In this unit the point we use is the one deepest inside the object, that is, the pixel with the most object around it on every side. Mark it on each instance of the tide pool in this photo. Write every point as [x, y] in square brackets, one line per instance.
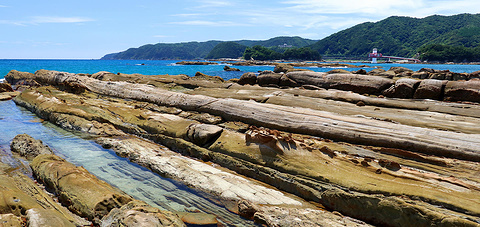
[133, 179]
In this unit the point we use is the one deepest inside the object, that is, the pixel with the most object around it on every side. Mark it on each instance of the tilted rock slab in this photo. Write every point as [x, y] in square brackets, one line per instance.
[84, 193]
[298, 120]
[78, 189]
[350, 82]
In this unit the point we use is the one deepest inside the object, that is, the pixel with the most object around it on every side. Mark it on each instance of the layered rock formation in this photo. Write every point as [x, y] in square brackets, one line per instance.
[387, 162]
[83, 193]
[398, 82]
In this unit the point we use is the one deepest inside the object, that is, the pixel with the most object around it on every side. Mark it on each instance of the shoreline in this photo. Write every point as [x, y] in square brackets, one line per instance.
[289, 130]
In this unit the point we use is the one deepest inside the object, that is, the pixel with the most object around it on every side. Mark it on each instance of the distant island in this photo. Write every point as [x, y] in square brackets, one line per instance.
[434, 39]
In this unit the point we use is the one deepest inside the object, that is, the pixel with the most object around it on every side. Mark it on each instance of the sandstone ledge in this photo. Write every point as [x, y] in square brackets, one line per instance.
[299, 164]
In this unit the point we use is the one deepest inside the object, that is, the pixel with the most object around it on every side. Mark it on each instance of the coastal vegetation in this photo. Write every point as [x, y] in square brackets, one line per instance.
[263, 53]
[448, 53]
[209, 49]
[227, 50]
[402, 36]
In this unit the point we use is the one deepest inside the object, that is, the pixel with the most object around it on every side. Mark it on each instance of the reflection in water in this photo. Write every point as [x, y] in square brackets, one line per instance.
[133, 179]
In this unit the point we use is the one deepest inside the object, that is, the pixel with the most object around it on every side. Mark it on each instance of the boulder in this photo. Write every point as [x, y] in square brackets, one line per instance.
[437, 76]
[202, 134]
[15, 77]
[202, 76]
[10, 220]
[420, 75]
[41, 217]
[349, 82]
[248, 78]
[5, 87]
[339, 71]
[375, 72]
[463, 91]
[427, 70]
[430, 89]
[287, 82]
[459, 76]
[388, 74]
[28, 147]
[228, 68]
[475, 74]
[403, 88]
[138, 213]
[79, 190]
[269, 80]
[283, 68]
[399, 70]
[103, 75]
[361, 71]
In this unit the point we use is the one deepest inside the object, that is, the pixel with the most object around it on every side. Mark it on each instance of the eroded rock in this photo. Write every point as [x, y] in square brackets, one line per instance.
[77, 189]
[403, 88]
[430, 89]
[29, 147]
[463, 91]
[138, 213]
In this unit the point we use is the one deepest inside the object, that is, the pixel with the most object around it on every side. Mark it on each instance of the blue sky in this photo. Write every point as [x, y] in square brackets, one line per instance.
[89, 29]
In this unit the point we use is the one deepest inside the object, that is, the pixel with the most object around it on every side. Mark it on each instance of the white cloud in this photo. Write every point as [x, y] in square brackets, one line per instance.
[208, 23]
[41, 20]
[214, 3]
[2, 6]
[187, 15]
[161, 36]
[44, 20]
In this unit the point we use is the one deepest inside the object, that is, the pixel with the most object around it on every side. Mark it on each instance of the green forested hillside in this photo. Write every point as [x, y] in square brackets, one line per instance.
[402, 36]
[227, 50]
[163, 51]
[294, 41]
[200, 50]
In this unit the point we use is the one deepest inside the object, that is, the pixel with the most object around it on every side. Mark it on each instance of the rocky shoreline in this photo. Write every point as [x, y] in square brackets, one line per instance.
[392, 148]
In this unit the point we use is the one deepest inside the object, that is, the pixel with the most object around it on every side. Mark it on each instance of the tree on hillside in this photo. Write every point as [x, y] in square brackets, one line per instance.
[227, 50]
[304, 53]
[447, 53]
[261, 53]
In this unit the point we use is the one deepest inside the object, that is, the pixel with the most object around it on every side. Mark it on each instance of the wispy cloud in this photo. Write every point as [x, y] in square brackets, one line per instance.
[161, 36]
[41, 20]
[187, 15]
[208, 23]
[46, 20]
[214, 3]
[2, 6]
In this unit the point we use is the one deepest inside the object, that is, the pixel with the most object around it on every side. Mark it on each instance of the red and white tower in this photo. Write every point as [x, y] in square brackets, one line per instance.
[374, 55]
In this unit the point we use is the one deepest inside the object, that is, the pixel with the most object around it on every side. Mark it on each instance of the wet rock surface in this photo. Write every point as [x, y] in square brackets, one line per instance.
[82, 193]
[415, 162]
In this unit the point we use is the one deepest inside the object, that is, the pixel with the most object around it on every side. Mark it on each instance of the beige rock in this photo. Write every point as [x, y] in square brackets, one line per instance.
[29, 147]
[463, 91]
[10, 220]
[40, 217]
[77, 189]
[138, 213]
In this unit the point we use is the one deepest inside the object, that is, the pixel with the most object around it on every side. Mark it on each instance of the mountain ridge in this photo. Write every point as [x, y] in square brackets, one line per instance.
[402, 36]
[197, 50]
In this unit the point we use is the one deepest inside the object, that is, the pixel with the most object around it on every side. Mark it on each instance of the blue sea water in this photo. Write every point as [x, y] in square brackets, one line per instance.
[161, 67]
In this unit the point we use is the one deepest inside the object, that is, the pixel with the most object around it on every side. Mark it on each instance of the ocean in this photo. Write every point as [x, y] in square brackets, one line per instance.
[161, 67]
